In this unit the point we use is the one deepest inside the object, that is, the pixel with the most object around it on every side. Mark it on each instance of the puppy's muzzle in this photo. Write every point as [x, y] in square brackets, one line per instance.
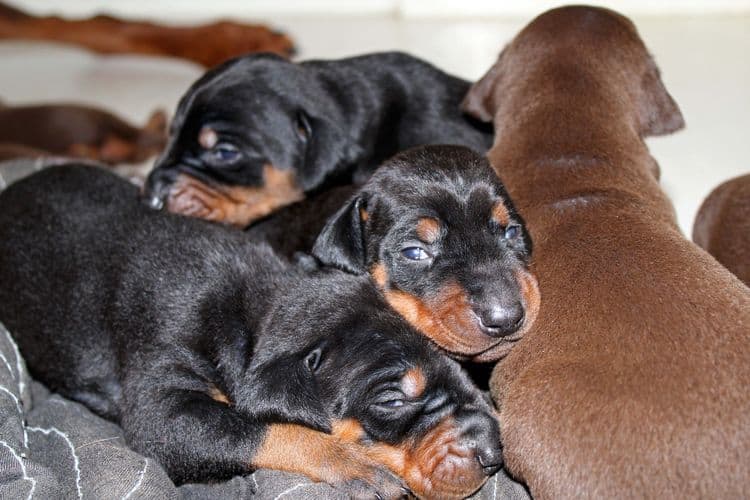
[498, 318]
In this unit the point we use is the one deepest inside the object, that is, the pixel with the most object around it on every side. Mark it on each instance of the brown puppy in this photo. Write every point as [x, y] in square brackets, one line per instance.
[78, 131]
[633, 381]
[722, 226]
[207, 45]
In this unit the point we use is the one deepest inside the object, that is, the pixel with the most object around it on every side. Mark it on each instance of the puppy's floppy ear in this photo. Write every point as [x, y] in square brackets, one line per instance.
[329, 151]
[283, 390]
[479, 102]
[658, 112]
[341, 243]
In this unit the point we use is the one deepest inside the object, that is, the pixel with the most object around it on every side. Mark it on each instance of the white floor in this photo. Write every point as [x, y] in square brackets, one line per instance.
[705, 63]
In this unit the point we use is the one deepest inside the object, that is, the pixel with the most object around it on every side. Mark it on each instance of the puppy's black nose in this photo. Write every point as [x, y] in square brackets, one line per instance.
[490, 458]
[154, 201]
[481, 433]
[156, 188]
[499, 320]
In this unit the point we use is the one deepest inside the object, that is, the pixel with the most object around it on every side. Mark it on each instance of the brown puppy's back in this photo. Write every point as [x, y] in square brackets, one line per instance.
[633, 382]
[722, 226]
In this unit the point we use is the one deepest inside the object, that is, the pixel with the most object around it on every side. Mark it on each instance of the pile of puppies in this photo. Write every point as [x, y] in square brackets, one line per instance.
[323, 339]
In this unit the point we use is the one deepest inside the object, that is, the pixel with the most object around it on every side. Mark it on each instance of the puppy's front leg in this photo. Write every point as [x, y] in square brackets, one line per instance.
[197, 437]
[326, 457]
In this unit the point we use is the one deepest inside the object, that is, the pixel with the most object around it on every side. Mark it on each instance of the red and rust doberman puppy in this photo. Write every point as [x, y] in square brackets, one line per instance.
[633, 382]
[78, 131]
[207, 45]
[722, 226]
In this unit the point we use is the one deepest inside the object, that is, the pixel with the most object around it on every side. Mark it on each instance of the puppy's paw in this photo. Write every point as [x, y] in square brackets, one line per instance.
[361, 477]
[382, 486]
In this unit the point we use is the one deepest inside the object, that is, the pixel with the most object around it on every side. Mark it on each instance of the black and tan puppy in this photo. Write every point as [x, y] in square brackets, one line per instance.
[216, 357]
[438, 234]
[260, 132]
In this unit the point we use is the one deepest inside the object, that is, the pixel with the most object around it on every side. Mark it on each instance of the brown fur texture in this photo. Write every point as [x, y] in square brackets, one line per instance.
[78, 131]
[207, 45]
[633, 381]
[722, 226]
[334, 458]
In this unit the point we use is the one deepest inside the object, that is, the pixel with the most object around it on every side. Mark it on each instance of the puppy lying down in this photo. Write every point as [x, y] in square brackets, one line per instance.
[438, 234]
[217, 358]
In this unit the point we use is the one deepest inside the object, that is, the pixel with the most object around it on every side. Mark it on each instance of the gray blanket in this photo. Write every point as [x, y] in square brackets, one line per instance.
[51, 447]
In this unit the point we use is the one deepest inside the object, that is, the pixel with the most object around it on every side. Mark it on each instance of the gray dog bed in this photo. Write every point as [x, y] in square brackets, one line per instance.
[51, 447]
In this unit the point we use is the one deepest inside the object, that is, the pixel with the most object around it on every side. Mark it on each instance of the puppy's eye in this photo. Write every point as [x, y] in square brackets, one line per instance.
[303, 127]
[225, 152]
[312, 360]
[512, 232]
[415, 253]
[393, 403]
[390, 400]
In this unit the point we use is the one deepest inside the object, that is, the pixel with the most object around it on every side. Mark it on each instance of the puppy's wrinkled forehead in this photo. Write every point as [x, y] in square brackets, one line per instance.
[238, 83]
[434, 205]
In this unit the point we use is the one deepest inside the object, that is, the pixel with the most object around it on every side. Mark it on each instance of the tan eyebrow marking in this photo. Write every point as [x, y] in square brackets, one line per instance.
[428, 229]
[500, 213]
[207, 137]
[413, 382]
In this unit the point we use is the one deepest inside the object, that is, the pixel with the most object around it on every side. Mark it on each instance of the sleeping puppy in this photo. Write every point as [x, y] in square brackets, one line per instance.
[79, 131]
[216, 357]
[722, 226]
[260, 132]
[437, 232]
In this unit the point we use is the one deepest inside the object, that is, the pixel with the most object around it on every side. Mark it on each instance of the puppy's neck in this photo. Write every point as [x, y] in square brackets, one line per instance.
[571, 141]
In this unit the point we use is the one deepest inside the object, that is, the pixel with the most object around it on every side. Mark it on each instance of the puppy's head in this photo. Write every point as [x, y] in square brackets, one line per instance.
[439, 236]
[250, 136]
[596, 41]
[333, 356]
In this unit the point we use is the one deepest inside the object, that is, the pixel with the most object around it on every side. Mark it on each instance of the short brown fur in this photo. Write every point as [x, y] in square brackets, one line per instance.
[207, 45]
[319, 456]
[500, 214]
[428, 229]
[219, 396]
[633, 380]
[722, 226]
[413, 383]
[87, 132]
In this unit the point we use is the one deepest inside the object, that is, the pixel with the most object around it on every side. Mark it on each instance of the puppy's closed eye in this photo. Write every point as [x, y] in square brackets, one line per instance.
[312, 360]
[303, 126]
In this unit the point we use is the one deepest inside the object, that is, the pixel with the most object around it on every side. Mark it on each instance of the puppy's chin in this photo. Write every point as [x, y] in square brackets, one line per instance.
[531, 301]
[496, 352]
[442, 464]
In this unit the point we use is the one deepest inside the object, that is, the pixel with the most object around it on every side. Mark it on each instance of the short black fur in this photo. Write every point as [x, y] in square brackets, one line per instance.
[331, 122]
[140, 315]
[450, 184]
